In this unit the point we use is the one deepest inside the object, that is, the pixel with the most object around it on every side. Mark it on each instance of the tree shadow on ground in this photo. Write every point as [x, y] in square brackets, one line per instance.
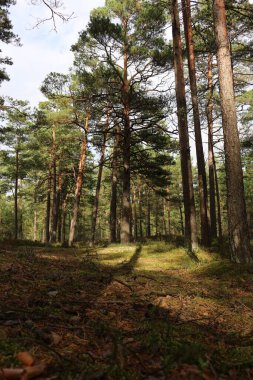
[114, 324]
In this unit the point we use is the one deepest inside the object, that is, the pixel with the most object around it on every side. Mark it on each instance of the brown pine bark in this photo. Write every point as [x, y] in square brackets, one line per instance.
[58, 206]
[237, 218]
[113, 203]
[148, 228]
[16, 196]
[54, 206]
[62, 236]
[35, 220]
[217, 190]
[169, 218]
[100, 172]
[181, 218]
[135, 218]
[79, 182]
[48, 206]
[140, 208]
[213, 219]
[125, 234]
[186, 168]
[202, 182]
[35, 225]
[164, 217]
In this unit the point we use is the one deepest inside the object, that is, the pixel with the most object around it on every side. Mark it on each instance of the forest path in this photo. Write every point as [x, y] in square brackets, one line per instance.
[126, 312]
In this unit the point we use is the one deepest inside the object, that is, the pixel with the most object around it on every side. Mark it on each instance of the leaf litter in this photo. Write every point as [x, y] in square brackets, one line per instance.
[66, 315]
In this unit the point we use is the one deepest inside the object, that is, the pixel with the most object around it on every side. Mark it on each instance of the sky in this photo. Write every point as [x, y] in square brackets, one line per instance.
[43, 50]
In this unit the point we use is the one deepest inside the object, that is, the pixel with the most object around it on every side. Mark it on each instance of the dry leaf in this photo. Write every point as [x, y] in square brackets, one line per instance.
[32, 372]
[55, 338]
[11, 373]
[25, 358]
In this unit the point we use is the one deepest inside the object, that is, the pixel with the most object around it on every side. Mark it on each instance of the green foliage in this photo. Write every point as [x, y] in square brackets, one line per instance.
[6, 34]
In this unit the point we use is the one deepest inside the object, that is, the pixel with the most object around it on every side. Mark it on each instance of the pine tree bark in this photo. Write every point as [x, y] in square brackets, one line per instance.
[148, 228]
[16, 196]
[217, 190]
[113, 203]
[54, 206]
[213, 219]
[135, 218]
[100, 172]
[186, 168]
[164, 218]
[58, 207]
[237, 218]
[202, 182]
[62, 236]
[48, 206]
[35, 220]
[125, 235]
[79, 182]
[140, 208]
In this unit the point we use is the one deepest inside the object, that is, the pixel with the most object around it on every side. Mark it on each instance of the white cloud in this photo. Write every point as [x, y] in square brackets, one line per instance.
[43, 50]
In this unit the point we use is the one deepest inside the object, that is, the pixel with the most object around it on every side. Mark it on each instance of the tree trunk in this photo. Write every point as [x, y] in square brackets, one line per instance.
[79, 182]
[213, 221]
[20, 211]
[48, 207]
[100, 172]
[58, 207]
[113, 203]
[140, 208]
[135, 219]
[181, 218]
[237, 218]
[62, 237]
[186, 168]
[54, 207]
[126, 206]
[169, 218]
[148, 229]
[205, 233]
[16, 195]
[164, 218]
[35, 220]
[218, 201]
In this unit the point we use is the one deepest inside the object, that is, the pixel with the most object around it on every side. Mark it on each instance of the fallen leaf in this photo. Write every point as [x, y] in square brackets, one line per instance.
[25, 358]
[55, 338]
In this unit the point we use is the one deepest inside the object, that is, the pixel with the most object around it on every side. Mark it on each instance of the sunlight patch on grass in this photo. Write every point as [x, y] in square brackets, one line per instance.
[155, 256]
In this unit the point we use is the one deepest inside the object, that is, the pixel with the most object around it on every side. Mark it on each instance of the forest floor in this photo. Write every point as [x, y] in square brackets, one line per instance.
[125, 312]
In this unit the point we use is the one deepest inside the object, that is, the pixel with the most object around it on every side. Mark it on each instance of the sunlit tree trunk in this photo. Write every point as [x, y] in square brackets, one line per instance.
[186, 168]
[100, 172]
[79, 182]
[237, 218]
[202, 182]
[213, 220]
